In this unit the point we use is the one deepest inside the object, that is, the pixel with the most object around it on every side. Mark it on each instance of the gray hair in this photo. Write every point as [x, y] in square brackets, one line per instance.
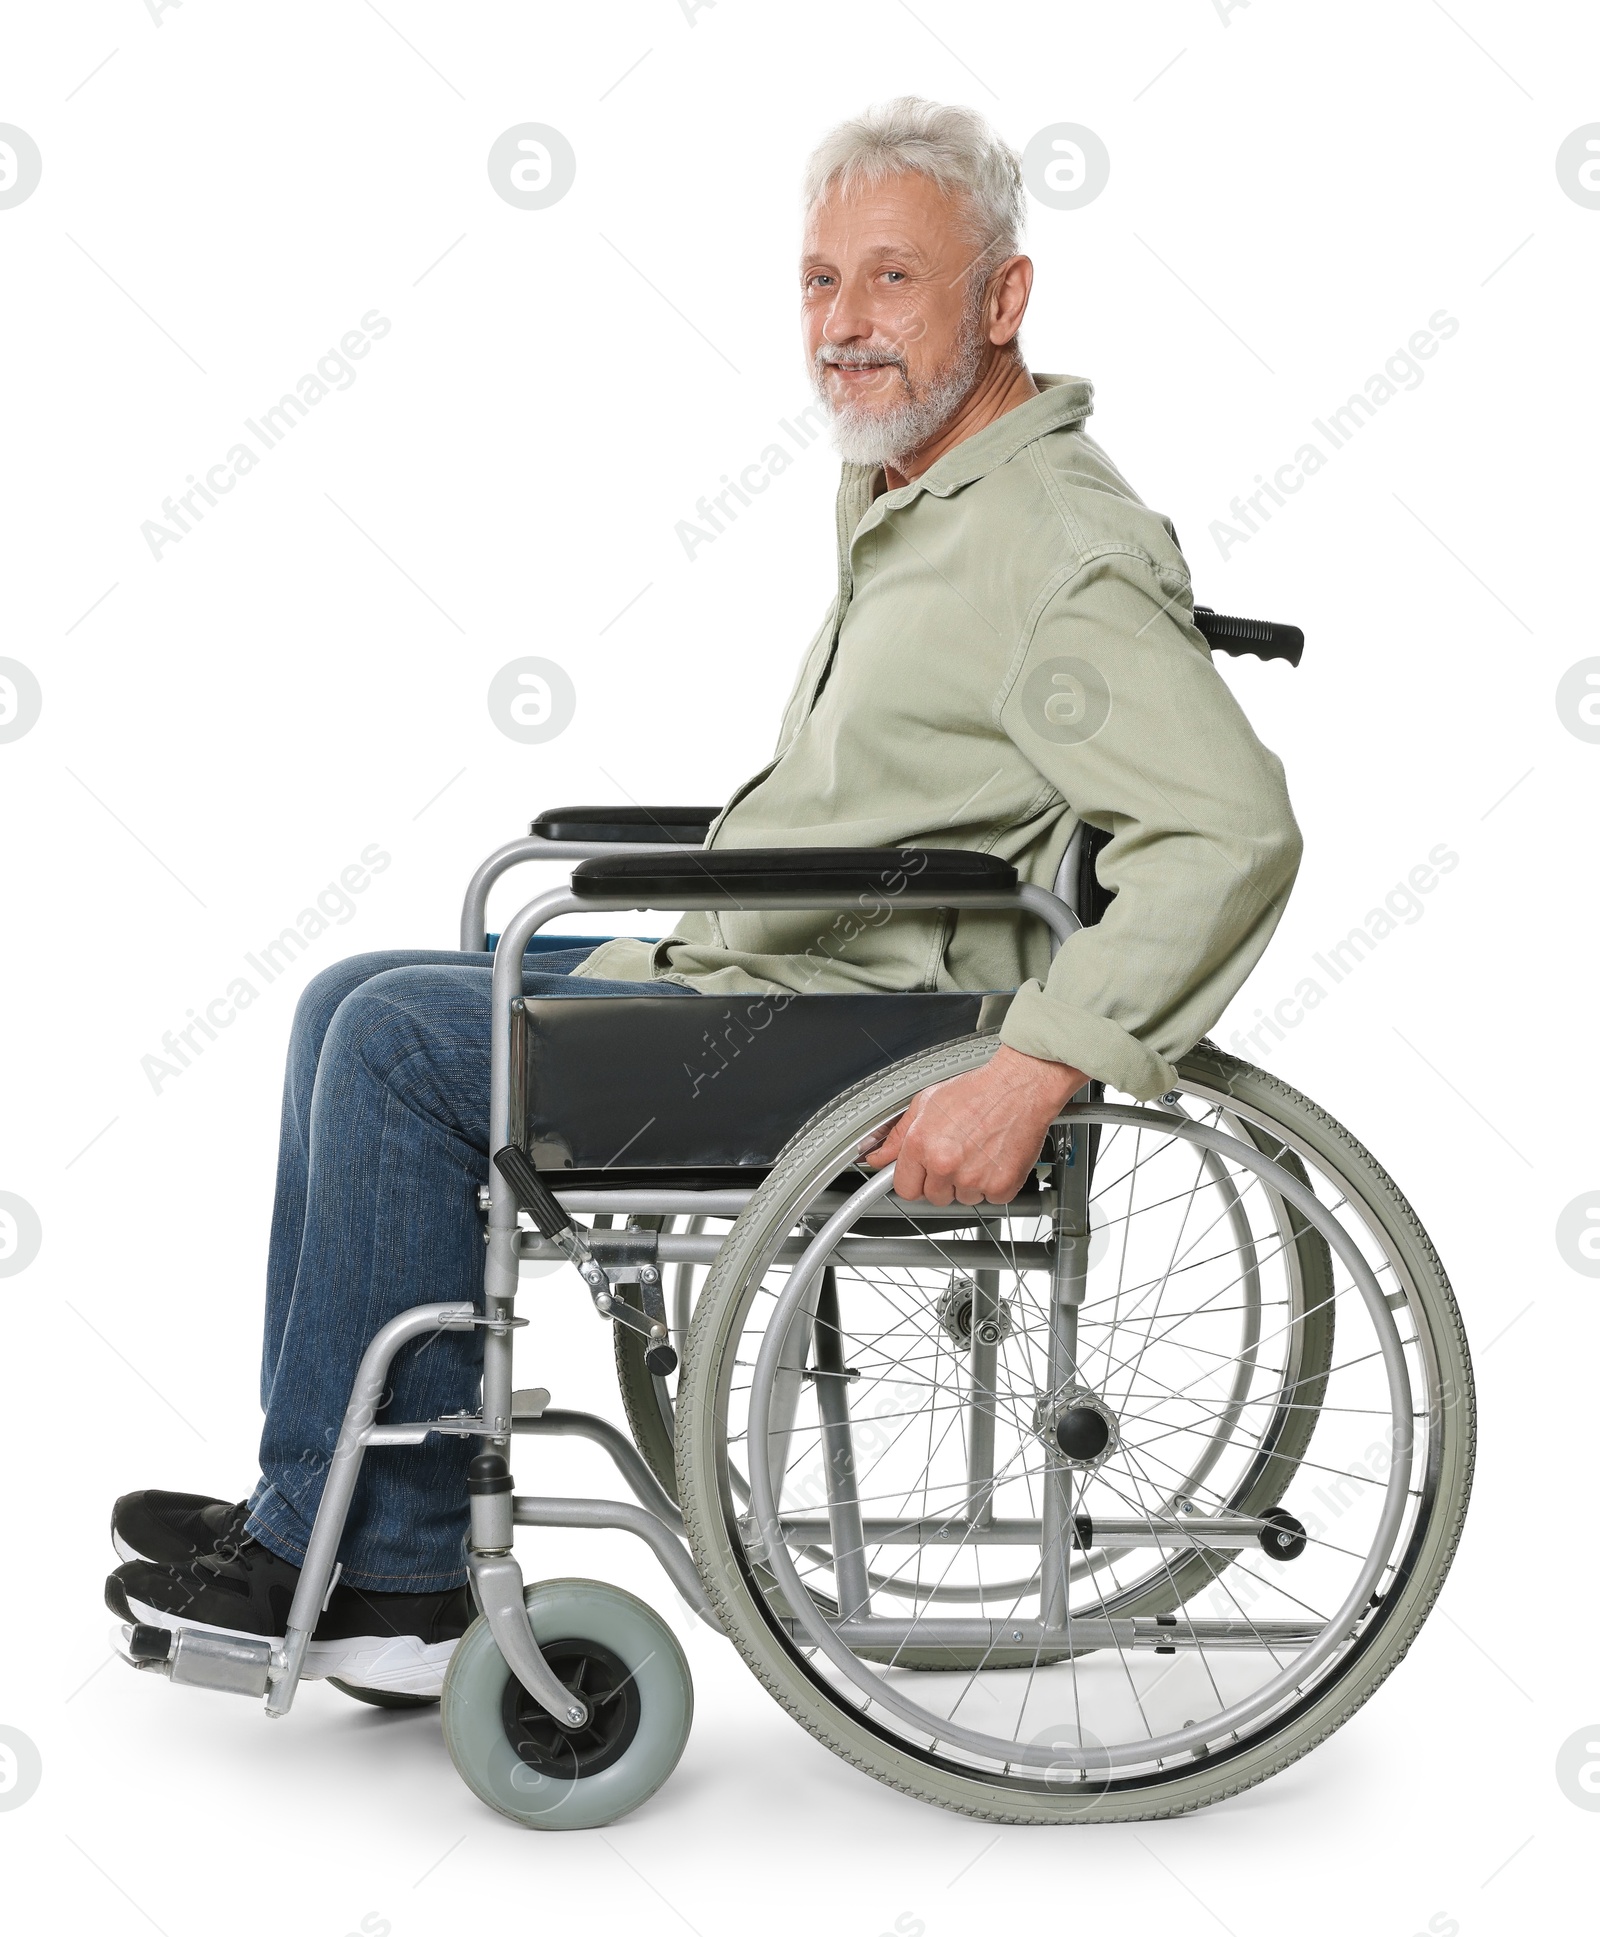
[954, 147]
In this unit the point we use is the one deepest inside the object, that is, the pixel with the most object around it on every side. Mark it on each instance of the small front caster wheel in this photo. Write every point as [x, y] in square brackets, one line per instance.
[625, 1663]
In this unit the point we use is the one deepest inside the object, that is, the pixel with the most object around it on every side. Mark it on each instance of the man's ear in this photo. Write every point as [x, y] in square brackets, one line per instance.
[1007, 300]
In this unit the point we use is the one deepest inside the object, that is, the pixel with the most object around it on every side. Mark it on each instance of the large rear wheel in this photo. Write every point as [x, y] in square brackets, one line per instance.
[1153, 1478]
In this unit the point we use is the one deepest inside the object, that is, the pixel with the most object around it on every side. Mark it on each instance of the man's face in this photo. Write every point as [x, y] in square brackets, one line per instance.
[892, 313]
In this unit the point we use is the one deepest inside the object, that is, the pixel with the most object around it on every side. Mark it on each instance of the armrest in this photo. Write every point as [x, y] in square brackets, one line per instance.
[793, 871]
[657, 825]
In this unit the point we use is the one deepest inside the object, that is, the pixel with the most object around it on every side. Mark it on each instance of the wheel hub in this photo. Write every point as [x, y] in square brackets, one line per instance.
[555, 1747]
[954, 1313]
[1078, 1428]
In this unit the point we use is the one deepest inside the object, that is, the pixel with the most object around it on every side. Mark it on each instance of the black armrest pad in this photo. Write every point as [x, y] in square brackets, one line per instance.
[794, 870]
[666, 825]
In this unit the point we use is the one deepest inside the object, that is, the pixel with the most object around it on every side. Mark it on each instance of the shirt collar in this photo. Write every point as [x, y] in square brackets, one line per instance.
[1062, 401]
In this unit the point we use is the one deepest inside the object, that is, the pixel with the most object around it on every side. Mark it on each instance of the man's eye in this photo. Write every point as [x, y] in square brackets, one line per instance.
[895, 275]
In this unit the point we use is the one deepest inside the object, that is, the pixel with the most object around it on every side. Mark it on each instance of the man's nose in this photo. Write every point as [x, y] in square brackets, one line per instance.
[847, 320]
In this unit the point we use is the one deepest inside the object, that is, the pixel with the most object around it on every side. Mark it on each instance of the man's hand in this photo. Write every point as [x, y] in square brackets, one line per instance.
[975, 1138]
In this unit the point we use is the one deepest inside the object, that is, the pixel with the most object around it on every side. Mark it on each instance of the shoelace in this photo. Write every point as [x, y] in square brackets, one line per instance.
[236, 1554]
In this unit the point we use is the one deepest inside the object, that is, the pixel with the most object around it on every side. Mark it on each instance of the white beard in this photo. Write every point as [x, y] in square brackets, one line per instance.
[873, 434]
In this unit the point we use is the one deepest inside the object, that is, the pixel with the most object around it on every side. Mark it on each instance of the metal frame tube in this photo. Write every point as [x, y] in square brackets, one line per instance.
[1227, 1532]
[1094, 1631]
[625, 1456]
[344, 1468]
[673, 1248]
[534, 847]
[786, 1389]
[1056, 913]
[533, 1511]
[838, 1453]
[984, 1359]
[628, 1201]
[657, 1203]
[1068, 1282]
[501, 1263]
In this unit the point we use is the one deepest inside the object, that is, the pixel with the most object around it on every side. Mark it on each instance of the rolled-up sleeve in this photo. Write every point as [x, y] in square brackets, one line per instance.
[1115, 701]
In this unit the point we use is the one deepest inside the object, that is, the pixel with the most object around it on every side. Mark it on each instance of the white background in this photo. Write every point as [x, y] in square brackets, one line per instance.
[1294, 190]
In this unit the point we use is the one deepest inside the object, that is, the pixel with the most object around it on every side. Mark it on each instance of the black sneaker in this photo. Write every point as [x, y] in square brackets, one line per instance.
[394, 1643]
[174, 1528]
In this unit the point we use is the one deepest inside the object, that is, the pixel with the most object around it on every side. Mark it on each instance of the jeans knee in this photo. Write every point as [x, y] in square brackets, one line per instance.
[363, 1027]
[322, 997]
[414, 1028]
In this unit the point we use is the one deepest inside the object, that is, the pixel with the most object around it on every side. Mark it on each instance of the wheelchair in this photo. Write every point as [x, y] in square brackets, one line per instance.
[1100, 1505]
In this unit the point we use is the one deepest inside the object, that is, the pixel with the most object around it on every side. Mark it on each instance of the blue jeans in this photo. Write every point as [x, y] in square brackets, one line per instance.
[384, 1144]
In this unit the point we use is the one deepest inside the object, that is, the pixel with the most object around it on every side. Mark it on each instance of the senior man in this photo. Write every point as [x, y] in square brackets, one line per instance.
[1011, 650]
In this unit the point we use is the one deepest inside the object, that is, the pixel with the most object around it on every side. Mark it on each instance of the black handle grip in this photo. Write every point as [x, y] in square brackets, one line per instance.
[531, 1192]
[1258, 636]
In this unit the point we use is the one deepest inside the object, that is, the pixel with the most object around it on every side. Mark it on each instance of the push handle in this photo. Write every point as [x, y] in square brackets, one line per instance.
[531, 1192]
[1258, 636]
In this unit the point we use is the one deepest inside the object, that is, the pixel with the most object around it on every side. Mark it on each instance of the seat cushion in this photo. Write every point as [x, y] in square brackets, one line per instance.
[625, 1088]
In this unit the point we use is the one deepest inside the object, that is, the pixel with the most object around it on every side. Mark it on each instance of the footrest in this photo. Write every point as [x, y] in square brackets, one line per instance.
[237, 1664]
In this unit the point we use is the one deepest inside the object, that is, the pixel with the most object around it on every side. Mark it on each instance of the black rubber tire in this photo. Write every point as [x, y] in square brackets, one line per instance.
[641, 1407]
[473, 1720]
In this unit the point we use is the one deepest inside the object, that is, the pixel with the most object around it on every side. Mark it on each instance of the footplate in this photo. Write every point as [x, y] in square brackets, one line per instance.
[236, 1664]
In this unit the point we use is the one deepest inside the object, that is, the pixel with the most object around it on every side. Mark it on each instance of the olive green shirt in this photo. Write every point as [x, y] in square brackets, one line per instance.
[1012, 649]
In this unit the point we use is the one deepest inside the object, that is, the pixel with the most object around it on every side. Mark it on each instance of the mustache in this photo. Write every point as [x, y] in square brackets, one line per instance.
[859, 359]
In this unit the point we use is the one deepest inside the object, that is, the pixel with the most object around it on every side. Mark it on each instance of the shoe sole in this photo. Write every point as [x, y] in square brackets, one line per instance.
[396, 1664]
